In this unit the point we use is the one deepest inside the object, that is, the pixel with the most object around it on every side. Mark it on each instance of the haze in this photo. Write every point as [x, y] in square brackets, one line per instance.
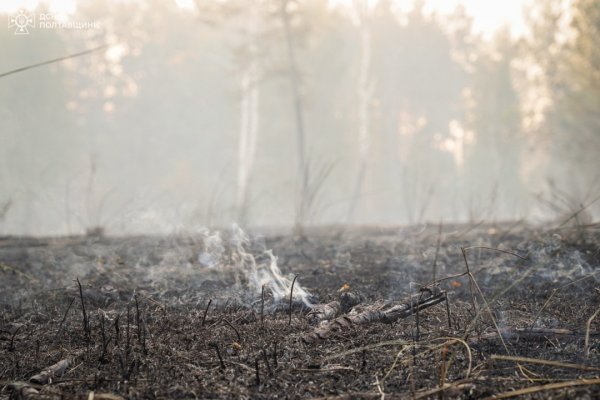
[280, 113]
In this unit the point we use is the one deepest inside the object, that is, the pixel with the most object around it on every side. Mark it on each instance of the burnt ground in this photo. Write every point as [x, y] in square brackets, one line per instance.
[148, 332]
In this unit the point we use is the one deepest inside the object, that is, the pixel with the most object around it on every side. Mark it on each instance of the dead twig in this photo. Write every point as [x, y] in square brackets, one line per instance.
[291, 298]
[264, 353]
[86, 325]
[11, 346]
[470, 275]
[218, 351]
[237, 333]
[437, 251]
[257, 373]
[262, 305]
[206, 312]
[65, 317]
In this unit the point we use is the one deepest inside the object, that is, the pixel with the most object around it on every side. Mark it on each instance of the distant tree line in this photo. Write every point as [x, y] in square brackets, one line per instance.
[299, 112]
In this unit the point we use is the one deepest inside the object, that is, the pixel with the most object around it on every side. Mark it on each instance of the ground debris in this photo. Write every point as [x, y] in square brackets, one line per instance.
[375, 313]
[195, 334]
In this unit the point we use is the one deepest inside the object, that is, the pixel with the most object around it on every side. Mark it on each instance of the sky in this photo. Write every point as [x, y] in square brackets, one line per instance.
[488, 15]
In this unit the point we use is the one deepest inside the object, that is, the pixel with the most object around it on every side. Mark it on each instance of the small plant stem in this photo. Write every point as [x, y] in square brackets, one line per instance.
[206, 312]
[86, 326]
[291, 298]
[262, 305]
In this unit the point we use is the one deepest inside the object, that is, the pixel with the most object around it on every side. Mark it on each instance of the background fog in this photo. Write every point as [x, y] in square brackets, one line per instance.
[296, 112]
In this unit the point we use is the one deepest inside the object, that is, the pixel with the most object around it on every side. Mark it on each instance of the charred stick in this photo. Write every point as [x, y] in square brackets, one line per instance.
[275, 355]
[144, 336]
[448, 310]
[125, 361]
[262, 305]
[218, 351]
[127, 328]
[257, 374]
[363, 365]
[105, 341]
[141, 328]
[291, 298]
[65, 316]
[127, 368]
[417, 332]
[206, 311]
[264, 353]
[138, 319]
[464, 253]
[86, 326]
[117, 329]
[11, 346]
[437, 251]
[237, 333]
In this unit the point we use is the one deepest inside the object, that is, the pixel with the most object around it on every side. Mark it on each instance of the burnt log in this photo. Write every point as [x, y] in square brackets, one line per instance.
[426, 298]
[54, 371]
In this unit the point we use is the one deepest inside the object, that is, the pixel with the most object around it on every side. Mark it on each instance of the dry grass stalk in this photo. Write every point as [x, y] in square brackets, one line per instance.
[543, 388]
[206, 312]
[587, 332]
[453, 388]
[551, 363]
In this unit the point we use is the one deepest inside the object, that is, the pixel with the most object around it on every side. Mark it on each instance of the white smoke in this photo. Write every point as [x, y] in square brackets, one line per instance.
[251, 275]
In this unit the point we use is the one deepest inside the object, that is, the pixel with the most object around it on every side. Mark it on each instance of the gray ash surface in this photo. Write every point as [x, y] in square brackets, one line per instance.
[149, 334]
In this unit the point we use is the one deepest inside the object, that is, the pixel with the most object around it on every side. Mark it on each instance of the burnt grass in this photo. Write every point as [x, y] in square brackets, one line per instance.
[150, 332]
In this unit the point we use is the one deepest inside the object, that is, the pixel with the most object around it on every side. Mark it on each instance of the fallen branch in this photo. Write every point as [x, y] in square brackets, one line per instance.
[53, 371]
[324, 312]
[427, 298]
[332, 310]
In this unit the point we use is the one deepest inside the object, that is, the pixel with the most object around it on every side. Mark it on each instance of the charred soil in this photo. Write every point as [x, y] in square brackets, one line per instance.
[157, 317]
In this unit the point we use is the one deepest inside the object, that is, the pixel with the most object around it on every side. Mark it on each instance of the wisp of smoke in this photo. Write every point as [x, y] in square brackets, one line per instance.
[251, 275]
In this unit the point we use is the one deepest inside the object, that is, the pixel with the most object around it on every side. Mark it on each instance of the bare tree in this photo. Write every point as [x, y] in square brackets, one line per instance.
[249, 110]
[301, 208]
[365, 91]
